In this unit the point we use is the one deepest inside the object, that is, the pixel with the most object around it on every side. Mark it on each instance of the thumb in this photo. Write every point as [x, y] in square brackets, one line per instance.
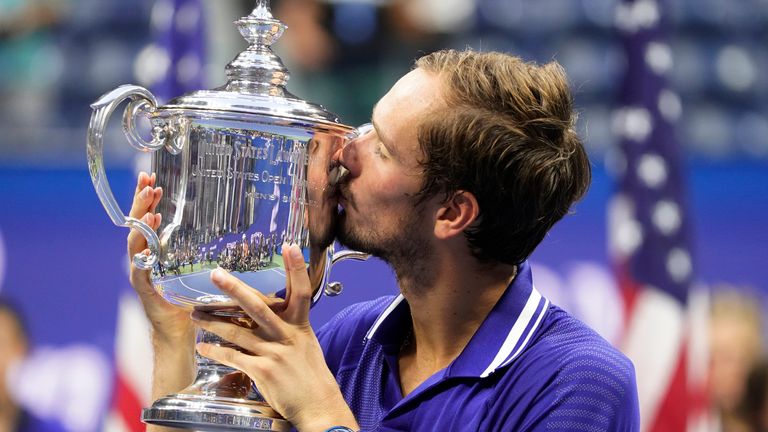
[300, 292]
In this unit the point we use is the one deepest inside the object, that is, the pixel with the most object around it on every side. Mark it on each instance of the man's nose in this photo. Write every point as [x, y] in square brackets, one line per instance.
[346, 156]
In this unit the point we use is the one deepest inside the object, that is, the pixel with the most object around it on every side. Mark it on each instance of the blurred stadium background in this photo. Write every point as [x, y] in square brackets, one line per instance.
[63, 262]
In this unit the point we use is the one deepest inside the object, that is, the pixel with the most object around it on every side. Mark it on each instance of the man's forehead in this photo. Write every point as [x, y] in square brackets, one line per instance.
[415, 94]
[418, 86]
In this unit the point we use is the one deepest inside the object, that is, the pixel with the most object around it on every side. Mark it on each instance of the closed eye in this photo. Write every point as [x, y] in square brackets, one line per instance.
[381, 151]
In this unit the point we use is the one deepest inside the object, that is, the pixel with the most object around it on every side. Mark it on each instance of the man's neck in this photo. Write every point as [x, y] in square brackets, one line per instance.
[446, 314]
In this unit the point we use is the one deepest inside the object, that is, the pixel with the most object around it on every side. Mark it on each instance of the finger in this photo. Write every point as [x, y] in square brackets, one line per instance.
[136, 241]
[226, 356]
[141, 182]
[158, 193]
[300, 299]
[158, 221]
[152, 179]
[236, 334]
[270, 324]
[141, 201]
[140, 279]
[149, 219]
[153, 220]
[139, 207]
[288, 288]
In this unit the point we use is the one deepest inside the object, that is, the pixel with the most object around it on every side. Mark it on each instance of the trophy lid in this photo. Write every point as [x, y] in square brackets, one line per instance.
[257, 78]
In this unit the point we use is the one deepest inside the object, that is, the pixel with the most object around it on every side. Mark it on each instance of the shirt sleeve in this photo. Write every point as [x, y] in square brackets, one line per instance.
[589, 402]
[588, 390]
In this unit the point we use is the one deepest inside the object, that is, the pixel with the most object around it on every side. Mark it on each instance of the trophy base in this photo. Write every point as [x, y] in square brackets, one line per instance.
[213, 414]
[220, 399]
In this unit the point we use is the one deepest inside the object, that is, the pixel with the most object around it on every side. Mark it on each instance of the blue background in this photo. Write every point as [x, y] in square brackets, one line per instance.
[66, 266]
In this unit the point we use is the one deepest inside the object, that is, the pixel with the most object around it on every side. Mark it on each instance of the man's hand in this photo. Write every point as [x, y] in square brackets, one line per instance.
[284, 357]
[173, 334]
[168, 322]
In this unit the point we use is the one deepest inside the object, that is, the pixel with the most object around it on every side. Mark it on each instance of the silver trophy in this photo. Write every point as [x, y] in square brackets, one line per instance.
[244, 168]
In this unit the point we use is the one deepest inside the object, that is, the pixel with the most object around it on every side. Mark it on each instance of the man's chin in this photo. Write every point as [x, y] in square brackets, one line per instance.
[359, 240]
[343, 236]
[350, 240]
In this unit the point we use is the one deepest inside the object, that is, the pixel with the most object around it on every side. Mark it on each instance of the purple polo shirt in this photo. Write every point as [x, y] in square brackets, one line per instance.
[529, 367]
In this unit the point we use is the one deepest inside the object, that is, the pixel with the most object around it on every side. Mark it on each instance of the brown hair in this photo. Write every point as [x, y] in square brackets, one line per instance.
[507, 136]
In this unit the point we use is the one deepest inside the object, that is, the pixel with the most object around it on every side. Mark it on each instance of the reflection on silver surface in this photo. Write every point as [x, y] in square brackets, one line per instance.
[220, 399]
[235, 196]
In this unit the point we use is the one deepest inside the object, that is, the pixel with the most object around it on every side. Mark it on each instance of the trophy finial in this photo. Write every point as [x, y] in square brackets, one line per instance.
[258, 70]
[260, 27]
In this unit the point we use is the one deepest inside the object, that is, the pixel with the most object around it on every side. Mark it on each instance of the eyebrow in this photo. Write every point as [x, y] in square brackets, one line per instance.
[384, 140]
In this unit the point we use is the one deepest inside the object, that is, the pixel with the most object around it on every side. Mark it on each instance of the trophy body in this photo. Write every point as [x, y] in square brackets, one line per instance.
[240, 186]
[244, 168]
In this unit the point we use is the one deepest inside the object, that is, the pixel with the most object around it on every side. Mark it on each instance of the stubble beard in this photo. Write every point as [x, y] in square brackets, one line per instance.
[406, 249]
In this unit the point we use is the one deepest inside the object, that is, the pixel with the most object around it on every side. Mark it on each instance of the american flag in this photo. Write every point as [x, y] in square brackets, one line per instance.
[172, 66]
[650, 230]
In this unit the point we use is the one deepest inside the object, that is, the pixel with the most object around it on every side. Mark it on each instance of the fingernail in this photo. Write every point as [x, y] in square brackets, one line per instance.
[217, 275]
[145, 192]
[295, 253]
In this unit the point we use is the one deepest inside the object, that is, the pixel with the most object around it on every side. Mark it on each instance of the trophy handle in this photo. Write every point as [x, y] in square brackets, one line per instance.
[142, 102]
[332, 289]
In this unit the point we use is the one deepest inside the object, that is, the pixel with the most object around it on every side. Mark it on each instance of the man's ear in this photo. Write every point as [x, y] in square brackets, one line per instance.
[456, 214]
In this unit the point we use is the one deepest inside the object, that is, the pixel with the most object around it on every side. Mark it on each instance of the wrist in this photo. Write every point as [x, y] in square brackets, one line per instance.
[174, 365]
[169, 324]
[344, 423]
[170, 339]
[330, 426]
[330, 418]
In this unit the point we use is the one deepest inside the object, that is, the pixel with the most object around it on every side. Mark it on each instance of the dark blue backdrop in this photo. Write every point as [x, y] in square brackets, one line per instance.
[65, 261]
